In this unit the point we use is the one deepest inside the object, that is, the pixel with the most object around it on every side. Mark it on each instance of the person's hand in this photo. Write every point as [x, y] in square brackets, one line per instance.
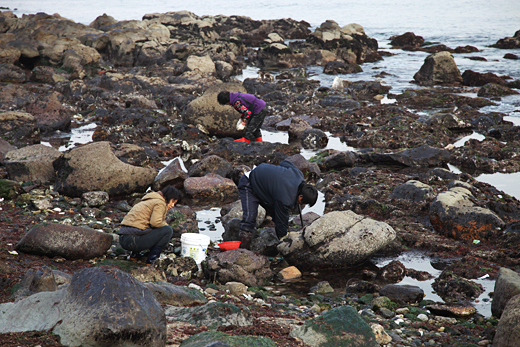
[241, 125]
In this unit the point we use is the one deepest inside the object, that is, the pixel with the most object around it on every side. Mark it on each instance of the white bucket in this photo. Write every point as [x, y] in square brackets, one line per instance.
[195, 246]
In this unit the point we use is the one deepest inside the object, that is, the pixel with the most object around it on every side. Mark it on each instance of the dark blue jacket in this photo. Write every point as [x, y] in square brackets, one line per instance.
[277, 189]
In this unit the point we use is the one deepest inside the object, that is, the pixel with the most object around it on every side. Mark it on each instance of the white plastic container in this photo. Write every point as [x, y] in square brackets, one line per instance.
[195, 246]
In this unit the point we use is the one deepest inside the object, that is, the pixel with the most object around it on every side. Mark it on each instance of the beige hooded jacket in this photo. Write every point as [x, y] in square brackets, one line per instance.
[149, 213]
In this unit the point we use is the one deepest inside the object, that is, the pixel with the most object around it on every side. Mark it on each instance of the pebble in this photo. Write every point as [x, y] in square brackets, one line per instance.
[422, 317]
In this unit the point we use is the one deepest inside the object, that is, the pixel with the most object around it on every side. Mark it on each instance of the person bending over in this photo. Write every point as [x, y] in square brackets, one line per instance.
[278, 188]
[145, 227]
[252, 113]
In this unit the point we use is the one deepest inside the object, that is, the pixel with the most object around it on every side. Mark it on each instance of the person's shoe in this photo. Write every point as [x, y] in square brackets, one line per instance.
[245, 239]
[259, 139]
[134, 256]
[242, 139]
[155, 252]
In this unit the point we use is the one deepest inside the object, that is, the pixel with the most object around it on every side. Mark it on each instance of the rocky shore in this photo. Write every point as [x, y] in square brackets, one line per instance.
[150, 88]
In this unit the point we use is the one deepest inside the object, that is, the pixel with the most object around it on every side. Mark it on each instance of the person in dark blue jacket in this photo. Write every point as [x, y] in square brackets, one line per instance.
[277, 188]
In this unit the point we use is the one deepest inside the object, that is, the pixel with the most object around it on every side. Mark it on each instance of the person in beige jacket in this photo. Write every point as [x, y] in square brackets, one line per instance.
[145, 227]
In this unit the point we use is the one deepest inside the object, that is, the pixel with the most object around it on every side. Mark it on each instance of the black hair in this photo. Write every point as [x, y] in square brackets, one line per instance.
[309, 193]
[223, 97]
[171, 193]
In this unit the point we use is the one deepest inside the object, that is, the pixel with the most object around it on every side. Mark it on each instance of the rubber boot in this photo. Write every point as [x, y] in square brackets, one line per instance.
[259, 139]
[242, 139]
[245, 239]
[155, 252]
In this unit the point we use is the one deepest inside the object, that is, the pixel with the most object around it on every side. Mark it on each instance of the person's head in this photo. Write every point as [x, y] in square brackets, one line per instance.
[223, 97]
[307, 194]
[172, 195]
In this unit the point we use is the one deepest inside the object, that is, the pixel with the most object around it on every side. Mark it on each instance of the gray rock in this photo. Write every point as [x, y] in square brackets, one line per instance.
[94, 167]
[239, 265]
[212, 315]
[413, 190]
[32, 164]
[341, 326]
[439, 68]
[210, 189]
[210, 164]
[340, 238]
[205, 111]
[314, 138]
[171, 175]
[170, 294]
[507, 285]
[95, 299]
[455, 214]
[402, 294]
[35, 281]
[507, 333]
[70, 242]
[95, 199]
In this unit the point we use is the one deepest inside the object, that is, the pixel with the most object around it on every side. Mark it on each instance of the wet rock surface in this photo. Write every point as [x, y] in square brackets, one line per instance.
[152, 102]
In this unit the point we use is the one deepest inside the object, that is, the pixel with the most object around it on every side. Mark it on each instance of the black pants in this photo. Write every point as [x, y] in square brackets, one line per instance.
[249, 204]
[254, 125]
[156, 237]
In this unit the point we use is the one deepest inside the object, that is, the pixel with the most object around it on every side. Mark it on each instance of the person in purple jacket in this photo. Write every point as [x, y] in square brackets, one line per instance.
[252, 113]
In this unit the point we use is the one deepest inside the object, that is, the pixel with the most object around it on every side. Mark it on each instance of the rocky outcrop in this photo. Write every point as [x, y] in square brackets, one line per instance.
[32, 164]
[69, 242]
[207, 113]
[438, 68]
[239, 265]
[19, 127]
[413, 190]
[95, 299]
[455, 214]
[337, 239]
[212, 315]
[509, 42]
[210, 164]
[95, 167]
[507, 286]
[341, 326]
[210, 189]
[507, 333]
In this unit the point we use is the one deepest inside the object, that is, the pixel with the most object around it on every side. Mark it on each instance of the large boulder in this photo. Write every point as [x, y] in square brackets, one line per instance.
[210, 164]
[171, 175]
[205, 111]
[32, 164]
[509, 42]
[422, 156]
[508, 328]
[100, 307]
[5, 147]
[238, 265]
[95, 167]
[18, 127]
[67, 241]
[210, 189]
[212, 315]
[337, 239]
[341, 326]
[507, 286]
[412, 190]
[439, 68]
[455, 214]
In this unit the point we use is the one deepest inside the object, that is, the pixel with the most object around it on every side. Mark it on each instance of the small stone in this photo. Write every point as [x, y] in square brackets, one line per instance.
[422, 317]
[484, 343]
[289, 273]
[236, 288]
[381, 336]
[403, 310]
[386, 313]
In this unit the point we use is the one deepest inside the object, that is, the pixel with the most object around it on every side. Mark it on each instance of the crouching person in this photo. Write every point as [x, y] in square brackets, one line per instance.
[145, 227]
[278, 189]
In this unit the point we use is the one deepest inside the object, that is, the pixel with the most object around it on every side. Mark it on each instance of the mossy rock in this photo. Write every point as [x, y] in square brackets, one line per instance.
[341, 326]
[9, 189]
[208, 337]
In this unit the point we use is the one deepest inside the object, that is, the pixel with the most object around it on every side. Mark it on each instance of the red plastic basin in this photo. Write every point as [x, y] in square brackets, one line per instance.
[229, 245]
